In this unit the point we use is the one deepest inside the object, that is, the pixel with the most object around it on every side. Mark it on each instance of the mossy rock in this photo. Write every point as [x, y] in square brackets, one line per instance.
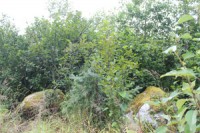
[39, 101]
[150, 93]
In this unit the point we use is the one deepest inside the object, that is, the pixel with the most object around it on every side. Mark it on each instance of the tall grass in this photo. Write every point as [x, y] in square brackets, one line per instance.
[51, 124]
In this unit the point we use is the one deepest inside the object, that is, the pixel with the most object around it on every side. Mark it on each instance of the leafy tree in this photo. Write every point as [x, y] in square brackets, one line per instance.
[148, 18]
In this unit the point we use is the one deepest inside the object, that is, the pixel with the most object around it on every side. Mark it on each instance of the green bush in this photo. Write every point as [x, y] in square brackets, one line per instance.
[86, 95]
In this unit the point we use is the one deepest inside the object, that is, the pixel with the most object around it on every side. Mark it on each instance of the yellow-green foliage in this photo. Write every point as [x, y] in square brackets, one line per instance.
[147, 95]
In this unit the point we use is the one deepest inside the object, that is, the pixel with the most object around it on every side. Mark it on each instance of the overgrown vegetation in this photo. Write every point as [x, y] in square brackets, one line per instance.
[102, 63]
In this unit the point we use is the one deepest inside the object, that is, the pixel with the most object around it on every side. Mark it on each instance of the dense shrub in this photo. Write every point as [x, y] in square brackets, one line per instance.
[103, 62]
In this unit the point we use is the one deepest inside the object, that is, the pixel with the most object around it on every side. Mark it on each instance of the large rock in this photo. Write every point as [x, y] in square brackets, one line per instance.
[140, 110]
[148, 115]
[40, 101]
[150, 93]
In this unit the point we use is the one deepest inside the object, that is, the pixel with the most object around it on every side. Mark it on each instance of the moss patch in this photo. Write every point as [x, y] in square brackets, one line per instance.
[150, 93]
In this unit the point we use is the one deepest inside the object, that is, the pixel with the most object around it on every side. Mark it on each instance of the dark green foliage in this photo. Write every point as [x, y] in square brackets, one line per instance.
[37, 60]
[110, 57]
[86, 95]
[148, 18]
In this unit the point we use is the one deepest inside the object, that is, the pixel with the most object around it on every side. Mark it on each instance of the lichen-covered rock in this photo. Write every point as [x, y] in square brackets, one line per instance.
[150, 93]
[39, 101]
[148, 115]
[140, 110]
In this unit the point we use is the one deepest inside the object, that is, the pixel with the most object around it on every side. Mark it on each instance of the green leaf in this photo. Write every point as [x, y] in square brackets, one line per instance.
[125, 47]
[197, 90]
[162, 129]
[197, 34]
[198, 127]
[172, 95]
[181, 125]
[196, 39]
[191, 118]
[181, 112]
[110, 113]
[185, 18]
[167, 117]
[186, 36]
[187, 89]
[180, 103]
[180, 73]
[187, 129]
[198, 52]
[114, 124]
[105, 109]
[170, 49]
[188, 55]
[193, 84]
[123, 107]
[124, 95]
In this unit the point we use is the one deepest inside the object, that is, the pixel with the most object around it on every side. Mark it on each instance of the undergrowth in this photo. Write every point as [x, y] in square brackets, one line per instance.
[52, 124]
